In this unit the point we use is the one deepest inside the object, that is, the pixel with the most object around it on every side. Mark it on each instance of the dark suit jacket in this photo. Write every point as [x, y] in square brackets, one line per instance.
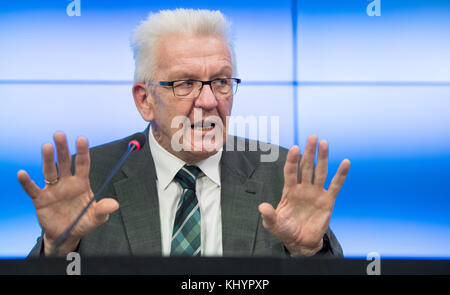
[135, 228]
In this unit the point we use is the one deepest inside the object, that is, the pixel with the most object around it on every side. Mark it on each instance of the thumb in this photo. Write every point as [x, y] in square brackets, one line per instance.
[103, 208]
[269, 216]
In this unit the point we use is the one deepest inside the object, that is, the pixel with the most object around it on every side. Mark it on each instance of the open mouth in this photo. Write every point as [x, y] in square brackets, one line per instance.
[203, 126]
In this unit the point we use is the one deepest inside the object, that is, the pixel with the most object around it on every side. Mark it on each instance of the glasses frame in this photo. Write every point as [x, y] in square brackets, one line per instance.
[171, 83]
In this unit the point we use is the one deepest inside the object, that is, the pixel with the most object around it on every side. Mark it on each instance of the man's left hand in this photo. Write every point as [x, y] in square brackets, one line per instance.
[303, 215]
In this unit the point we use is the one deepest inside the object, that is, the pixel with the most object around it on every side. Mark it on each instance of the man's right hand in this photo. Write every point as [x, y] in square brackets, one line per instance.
[58, 204]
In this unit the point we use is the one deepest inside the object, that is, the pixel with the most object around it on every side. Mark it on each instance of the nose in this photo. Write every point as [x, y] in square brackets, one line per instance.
[206, 100]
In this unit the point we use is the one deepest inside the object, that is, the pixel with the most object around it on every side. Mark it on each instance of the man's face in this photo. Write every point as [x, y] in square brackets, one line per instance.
[184, 57]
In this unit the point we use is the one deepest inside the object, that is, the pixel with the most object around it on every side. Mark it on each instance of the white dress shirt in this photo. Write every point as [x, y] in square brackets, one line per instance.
[169, 194]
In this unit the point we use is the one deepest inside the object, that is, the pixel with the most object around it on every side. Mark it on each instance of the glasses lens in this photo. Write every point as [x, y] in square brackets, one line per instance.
[185, 89]
[224, 87]
[188, 89]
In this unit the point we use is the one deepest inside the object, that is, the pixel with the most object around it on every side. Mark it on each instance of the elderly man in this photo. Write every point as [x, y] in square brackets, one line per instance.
[180, 197]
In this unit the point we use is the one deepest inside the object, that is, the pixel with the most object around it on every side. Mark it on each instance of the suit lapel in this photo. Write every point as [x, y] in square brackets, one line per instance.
[138, 199]
[239, 204]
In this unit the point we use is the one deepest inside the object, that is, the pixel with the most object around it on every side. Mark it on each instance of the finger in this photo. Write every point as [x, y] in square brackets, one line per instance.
[339, 178]
[322, 164]
[103, 208]
[82, 160]
[48, 162]
[269, 216]
[290, 167]
[28, 185]
[307, 162]
[62, 153]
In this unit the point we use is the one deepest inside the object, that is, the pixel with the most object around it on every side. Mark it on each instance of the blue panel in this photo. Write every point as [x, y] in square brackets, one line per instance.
[391, 121]
[392, 238]
[18, 235]
[33, 113]
[96, 45]
[398, 141]
[338, 41]
[267, 101]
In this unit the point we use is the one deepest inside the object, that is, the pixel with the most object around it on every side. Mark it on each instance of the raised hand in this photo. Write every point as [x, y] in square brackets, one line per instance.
[303, 214]
[65, 195]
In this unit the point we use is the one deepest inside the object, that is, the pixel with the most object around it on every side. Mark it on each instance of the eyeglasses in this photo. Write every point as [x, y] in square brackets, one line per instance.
[222, 88]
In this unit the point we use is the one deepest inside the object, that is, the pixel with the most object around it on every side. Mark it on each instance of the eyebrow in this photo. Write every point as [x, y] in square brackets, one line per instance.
[188, 75]
[182, 75]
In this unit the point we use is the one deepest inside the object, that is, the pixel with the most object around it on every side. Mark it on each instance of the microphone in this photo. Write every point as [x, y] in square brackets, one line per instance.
[135, 144]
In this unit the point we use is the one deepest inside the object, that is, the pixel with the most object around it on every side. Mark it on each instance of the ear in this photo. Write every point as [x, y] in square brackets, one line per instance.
[144, 101]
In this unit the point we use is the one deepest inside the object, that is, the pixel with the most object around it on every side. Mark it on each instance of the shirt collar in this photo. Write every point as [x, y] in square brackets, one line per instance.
[167, 165]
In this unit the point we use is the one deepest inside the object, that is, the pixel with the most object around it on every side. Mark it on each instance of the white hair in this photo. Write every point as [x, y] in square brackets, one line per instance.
[199, 22]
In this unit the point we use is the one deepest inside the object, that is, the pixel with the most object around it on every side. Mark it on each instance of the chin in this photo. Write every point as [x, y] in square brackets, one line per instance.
[196, 156]
[202, 149]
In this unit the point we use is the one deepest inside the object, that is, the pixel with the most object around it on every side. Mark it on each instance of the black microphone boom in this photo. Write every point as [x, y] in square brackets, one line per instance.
[136, 143]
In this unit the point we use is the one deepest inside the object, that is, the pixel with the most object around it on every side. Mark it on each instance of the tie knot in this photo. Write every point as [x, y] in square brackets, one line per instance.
[187, 176]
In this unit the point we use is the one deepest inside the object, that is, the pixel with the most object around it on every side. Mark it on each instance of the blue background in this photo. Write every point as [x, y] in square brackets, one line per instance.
[377, 88]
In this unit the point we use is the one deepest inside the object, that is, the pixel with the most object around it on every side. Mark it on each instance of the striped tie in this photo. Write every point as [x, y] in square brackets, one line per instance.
[186, 237]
